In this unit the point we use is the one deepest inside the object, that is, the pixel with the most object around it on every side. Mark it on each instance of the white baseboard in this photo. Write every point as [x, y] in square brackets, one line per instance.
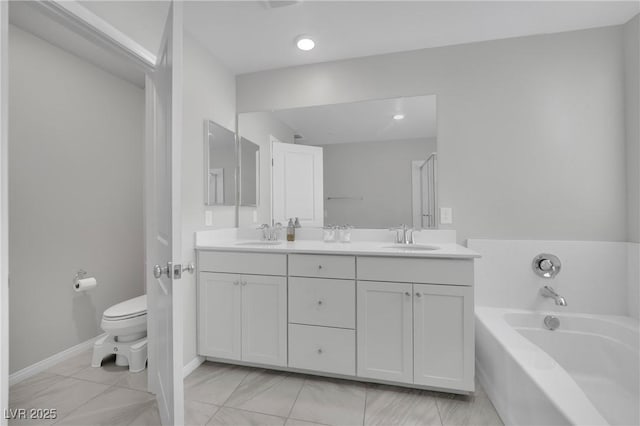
[192, 365]
[47, 363]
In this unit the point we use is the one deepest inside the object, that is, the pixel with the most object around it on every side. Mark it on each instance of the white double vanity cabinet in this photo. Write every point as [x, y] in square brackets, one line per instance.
[359, 310]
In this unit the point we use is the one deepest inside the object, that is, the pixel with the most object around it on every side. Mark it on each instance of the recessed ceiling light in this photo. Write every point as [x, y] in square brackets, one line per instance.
[398, 117]
[305, 43]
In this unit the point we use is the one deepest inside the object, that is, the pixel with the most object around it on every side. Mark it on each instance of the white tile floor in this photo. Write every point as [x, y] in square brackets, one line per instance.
[232, 395]
[219, 394]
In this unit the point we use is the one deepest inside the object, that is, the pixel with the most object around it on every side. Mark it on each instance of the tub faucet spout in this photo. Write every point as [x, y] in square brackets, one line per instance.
[547, 291]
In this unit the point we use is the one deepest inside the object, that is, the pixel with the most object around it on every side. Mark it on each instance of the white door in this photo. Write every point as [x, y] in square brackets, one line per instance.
[385, 331]
[4, 223]
[264, 319]
[163, 227]
[443, 349]
[296, 184]
[219, 315]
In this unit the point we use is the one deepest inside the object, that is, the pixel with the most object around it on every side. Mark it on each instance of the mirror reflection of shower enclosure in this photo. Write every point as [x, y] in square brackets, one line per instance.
[428, 193]
[424, 192]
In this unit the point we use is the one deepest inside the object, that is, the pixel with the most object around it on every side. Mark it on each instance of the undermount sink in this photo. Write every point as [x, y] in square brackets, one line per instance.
[417, 247]
[259, 243]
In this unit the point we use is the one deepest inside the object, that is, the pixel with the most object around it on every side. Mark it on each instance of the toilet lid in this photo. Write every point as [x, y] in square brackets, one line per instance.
[129, 308]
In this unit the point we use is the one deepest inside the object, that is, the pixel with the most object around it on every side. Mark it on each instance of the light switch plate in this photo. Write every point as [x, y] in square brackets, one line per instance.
[208, 217]
[255, 216]
[446, 215]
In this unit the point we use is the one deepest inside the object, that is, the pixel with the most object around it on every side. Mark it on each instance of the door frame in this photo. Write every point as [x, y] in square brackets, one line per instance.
[76, 17]
[4, 213]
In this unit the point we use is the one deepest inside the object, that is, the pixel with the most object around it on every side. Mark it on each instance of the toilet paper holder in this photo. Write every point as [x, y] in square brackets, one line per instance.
[78, 276]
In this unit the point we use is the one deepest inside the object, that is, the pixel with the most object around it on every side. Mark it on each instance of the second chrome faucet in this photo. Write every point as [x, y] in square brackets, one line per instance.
[404, 234]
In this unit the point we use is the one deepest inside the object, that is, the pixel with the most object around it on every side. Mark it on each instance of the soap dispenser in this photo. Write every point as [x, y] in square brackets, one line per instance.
[297, 223]
[291, 231]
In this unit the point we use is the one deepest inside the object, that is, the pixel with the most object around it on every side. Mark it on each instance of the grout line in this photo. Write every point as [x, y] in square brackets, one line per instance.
[85, 403]
[238, 385]
[249, 411]
[366, 397]
[435, 400]
[304, 381]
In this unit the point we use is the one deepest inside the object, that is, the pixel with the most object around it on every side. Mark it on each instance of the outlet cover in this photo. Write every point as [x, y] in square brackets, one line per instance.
[446, 215]
[208, 218]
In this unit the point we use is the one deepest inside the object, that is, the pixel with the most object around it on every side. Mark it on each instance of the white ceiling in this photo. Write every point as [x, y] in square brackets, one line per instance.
[248, 36]
[370, 121]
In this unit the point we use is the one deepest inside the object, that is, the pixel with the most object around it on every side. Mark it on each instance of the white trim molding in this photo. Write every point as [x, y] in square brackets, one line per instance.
[191, 366]
[47, 363]
[101, 30]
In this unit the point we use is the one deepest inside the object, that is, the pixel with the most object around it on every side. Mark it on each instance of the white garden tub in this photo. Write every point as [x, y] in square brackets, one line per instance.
[584, 373]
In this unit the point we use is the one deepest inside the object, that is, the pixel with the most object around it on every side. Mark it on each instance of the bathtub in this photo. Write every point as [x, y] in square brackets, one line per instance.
[584, 373]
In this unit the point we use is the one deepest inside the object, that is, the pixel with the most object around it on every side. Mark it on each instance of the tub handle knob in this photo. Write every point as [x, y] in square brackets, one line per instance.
[546, 265]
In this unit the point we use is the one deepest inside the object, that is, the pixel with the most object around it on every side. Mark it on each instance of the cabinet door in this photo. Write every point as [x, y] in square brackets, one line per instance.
[443, 339]
[385, 331]
[219, 315]
[264, 319]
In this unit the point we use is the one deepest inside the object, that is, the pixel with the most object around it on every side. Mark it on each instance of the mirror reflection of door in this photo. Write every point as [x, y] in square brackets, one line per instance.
[216, 186]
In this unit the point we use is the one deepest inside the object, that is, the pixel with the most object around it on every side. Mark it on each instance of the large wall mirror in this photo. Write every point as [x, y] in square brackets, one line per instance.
[368, 164]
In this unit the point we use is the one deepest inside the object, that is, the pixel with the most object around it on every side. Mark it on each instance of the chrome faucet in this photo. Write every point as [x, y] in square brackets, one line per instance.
[270, 233]
[404, 237]
[547, 291]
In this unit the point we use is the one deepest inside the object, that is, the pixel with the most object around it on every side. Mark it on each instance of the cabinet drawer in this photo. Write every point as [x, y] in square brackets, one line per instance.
[242, 263]
[332, 350]
[429, 271]
[320, 301]
[311, 265]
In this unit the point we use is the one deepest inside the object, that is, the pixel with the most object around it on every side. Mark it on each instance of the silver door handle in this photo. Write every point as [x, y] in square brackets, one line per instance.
[190, 267]
[158, 270]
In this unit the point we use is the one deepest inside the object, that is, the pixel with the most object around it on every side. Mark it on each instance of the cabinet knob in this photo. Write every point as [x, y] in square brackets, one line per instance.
[418, 294]
[319, 266]
[319, 350]
[407, 293]
[236, 282]
[243, 283]
[319, 302]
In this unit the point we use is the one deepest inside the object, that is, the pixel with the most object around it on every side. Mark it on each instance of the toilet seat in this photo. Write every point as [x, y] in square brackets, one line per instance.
[128, 309]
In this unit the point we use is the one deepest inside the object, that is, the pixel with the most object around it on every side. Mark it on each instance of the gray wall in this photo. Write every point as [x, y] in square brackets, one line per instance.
[632, 125]
[209, 94]
[380, 172]
[531, 133]
[75, 194]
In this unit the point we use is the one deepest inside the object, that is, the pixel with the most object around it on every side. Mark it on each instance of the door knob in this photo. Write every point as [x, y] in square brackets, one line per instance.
[190, 267]
[159, 270]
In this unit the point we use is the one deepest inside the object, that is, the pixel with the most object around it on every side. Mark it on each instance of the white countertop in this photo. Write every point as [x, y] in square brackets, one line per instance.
[361, 248]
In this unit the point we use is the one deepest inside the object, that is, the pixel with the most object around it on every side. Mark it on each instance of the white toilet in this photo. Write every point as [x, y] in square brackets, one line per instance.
[126, 328]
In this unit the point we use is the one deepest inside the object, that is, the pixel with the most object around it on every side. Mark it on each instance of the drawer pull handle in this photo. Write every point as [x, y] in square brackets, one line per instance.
[235, 283]
[319, 266]
[319, 350]
[243, 283]
[319, 302]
